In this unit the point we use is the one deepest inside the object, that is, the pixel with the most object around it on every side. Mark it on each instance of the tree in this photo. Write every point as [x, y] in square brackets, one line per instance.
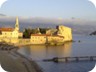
[27, 33]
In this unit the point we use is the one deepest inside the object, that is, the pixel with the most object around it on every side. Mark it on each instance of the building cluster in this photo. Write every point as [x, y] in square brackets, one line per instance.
[59, 35]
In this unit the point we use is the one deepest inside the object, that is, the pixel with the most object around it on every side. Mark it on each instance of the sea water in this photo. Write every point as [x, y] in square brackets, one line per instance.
[83, 46]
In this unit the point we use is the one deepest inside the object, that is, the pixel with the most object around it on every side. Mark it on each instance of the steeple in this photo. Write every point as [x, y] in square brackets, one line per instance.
[17, 24]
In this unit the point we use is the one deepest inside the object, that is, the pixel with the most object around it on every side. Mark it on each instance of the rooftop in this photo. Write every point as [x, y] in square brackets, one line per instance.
[6, 29]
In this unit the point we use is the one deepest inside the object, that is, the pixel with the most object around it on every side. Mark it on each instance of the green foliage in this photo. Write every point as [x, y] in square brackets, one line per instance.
[34, 31]
[27, 32]
[43, 31]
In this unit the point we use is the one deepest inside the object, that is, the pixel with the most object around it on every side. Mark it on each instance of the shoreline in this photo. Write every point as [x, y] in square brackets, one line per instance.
[13, 61]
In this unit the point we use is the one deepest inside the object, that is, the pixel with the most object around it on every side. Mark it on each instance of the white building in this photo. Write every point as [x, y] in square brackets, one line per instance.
[10, 32]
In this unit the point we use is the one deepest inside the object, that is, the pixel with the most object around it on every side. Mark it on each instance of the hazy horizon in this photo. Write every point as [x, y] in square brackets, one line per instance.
[78, 26]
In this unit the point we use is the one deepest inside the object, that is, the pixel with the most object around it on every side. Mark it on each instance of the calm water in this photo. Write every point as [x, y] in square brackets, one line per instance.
[87, 47]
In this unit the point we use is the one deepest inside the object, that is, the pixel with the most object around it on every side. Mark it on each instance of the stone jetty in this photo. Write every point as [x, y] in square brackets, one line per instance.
[71, 59]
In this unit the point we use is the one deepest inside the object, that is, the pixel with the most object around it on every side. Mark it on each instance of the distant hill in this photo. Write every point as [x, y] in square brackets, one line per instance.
[2, 15]
[78, 26]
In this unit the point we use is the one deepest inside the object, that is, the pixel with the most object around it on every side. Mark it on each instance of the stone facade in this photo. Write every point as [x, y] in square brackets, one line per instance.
[38, 39]
[44, 39]
[55, 39]
[64, 31]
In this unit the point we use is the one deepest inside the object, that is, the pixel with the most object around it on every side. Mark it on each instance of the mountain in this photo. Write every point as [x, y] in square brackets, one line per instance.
[2, 15]
[79, 26]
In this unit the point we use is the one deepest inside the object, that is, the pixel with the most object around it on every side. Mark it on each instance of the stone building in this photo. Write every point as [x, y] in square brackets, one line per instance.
[62, 35]
[44, 39]
[64, 31]
[38, 38]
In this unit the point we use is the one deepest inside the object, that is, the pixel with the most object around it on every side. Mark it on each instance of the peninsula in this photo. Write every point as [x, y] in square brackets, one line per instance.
[49, 36]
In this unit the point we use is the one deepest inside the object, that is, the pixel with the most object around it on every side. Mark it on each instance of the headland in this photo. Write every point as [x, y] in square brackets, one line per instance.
[47, 36]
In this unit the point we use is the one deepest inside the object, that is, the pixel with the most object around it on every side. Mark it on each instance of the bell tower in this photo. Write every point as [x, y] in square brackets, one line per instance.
[17, 24]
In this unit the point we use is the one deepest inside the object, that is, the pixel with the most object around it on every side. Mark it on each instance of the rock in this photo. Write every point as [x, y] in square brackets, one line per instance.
[93, 33]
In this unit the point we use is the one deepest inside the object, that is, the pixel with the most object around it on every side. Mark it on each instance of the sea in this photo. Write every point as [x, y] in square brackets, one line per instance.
[83, 45]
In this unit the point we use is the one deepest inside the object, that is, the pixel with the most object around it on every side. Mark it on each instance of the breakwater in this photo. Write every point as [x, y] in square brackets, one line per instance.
[71, 59]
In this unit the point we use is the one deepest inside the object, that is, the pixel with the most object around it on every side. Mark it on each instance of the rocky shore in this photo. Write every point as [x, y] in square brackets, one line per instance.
[12, 61]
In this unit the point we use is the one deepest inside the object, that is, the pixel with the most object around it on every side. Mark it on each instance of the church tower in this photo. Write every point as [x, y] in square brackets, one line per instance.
[17, 24]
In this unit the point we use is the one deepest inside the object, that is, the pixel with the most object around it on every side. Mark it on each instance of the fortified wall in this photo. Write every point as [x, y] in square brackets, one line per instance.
[66, 32]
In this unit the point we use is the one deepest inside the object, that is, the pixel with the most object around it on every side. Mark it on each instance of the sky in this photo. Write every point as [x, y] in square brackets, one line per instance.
[82, 9]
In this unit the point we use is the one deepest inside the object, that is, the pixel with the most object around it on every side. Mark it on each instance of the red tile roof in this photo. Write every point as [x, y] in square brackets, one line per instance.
[6, 29]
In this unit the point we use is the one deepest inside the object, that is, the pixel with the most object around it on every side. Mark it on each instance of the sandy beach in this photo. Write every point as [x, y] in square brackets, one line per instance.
[12, 61]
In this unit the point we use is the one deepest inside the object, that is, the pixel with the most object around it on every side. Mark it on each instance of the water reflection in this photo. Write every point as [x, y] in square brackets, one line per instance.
[42, 51]
[87, 47]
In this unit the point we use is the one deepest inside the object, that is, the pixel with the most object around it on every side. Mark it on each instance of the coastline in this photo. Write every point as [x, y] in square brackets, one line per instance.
[12, 61]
